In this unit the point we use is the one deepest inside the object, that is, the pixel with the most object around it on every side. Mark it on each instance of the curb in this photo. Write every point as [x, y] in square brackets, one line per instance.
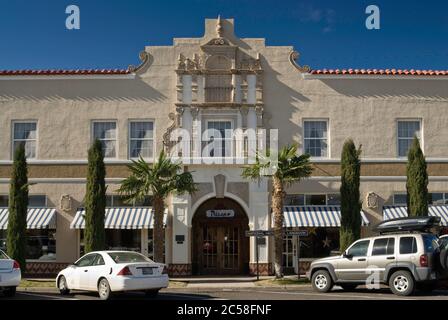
[38, 289]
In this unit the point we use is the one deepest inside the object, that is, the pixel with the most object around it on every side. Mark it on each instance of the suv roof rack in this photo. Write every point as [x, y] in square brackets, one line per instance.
[409, 224]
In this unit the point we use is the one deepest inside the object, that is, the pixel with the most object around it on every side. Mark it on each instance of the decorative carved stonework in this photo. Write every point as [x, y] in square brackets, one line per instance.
[66, 203]
[293, 57]
[144, 58]
[175, 117]
[372, 200]
[220, 185]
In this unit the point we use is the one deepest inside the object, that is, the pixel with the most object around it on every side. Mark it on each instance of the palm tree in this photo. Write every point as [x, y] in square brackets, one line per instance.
[284, 170]
[159, 180]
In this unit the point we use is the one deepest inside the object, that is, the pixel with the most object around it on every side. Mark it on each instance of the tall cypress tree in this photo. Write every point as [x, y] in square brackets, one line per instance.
[95, 200]
[18, 208]
[350, 204]
[417, 181]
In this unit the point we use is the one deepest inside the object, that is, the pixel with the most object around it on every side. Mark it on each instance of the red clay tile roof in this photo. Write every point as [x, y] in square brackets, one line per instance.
[380, 72]
[64, 72]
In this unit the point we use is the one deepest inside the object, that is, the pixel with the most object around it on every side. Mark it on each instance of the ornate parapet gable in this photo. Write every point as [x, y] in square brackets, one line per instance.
[293, 57]
[144, 58]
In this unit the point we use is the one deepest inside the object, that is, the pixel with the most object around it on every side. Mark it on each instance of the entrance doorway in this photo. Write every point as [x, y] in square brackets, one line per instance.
[220, 245]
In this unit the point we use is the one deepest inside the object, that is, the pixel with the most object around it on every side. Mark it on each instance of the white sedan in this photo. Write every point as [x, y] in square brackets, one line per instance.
[10, 275]
[113, 271]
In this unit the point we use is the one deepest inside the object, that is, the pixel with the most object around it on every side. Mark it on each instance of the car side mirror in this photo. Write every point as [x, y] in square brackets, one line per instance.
[347, 255]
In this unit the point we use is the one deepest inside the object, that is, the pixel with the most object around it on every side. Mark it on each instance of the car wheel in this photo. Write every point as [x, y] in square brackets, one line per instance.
[104, 290]
[152, 293]
[62, 286]
[322, 281]
[402, 283]
[348, 286]
[10, 292]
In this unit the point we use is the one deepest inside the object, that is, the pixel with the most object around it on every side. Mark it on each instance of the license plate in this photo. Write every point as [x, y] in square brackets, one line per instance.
[147, 271]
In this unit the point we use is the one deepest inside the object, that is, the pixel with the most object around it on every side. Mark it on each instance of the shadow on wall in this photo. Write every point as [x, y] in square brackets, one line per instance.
[290, 99]
[383, 88]
[81, 90]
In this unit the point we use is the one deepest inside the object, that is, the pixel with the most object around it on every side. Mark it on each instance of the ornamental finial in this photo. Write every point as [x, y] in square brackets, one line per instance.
[219, 27]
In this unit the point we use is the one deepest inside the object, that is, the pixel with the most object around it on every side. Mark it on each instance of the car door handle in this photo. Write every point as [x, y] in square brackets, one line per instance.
[390, 258]
[86, 270]
[362, 259]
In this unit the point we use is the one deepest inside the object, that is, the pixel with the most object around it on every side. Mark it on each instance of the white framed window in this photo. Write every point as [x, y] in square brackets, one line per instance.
[406, 130]
[315, 138]
[220, 133]
[106, 133]
[400, 199]
[438, 198]
[330, 199]
[25, 133]
[37, 201]
[141, 139]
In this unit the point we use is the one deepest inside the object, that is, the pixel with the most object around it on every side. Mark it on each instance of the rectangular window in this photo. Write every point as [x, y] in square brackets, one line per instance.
[106, 133]
[4, 201]
[407, 129]
[408, 245]
[118, 201]
[400, 199]
[141, 141]
[334, 199]
[295, 200]
[34, 201]
[37, 201]
[219, 138]
[288, 254]
[315, 199]
[383, 246]
[316, 138]
[25, 133]
[438, 198]
[40, 244]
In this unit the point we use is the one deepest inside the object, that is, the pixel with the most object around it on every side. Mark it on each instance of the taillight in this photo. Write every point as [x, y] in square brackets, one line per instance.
[125, 272]
[165, 270]
[16, 265]
[423, 260]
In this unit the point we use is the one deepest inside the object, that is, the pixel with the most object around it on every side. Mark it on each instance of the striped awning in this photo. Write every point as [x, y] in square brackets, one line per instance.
[316, 216]
[121, 218]
[37, 218]
[394, 212]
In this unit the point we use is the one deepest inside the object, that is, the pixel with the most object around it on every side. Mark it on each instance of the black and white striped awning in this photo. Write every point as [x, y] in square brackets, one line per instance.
[121, 218]
[316, 216]
[37, 218]
[394, 212]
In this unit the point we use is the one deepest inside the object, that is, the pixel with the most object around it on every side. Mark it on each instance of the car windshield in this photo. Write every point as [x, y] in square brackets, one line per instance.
[3, 256]
[430, 242]
[125, 257]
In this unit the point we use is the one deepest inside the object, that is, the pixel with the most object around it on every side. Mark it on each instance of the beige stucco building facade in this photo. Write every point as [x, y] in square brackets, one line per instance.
[220, 82]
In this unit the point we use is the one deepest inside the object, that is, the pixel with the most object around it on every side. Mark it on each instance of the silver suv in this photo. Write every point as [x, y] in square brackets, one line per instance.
[404, 261]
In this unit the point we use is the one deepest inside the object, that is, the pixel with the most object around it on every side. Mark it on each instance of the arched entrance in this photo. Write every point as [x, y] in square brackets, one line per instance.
[220, 245]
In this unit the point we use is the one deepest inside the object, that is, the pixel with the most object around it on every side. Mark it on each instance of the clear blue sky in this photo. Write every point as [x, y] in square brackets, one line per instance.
[328, 33]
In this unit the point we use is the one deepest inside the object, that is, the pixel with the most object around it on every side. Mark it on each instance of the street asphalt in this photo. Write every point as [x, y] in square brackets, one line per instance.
[303, 292]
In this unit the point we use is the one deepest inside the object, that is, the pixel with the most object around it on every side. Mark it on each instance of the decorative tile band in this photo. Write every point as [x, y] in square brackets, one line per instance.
[44, 269]
[177, 270]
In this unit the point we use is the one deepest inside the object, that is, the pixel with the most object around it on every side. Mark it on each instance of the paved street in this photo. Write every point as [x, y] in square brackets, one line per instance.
[256, 293]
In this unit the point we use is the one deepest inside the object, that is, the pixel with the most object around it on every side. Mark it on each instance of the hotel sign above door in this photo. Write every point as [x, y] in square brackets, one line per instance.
[220, 213]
